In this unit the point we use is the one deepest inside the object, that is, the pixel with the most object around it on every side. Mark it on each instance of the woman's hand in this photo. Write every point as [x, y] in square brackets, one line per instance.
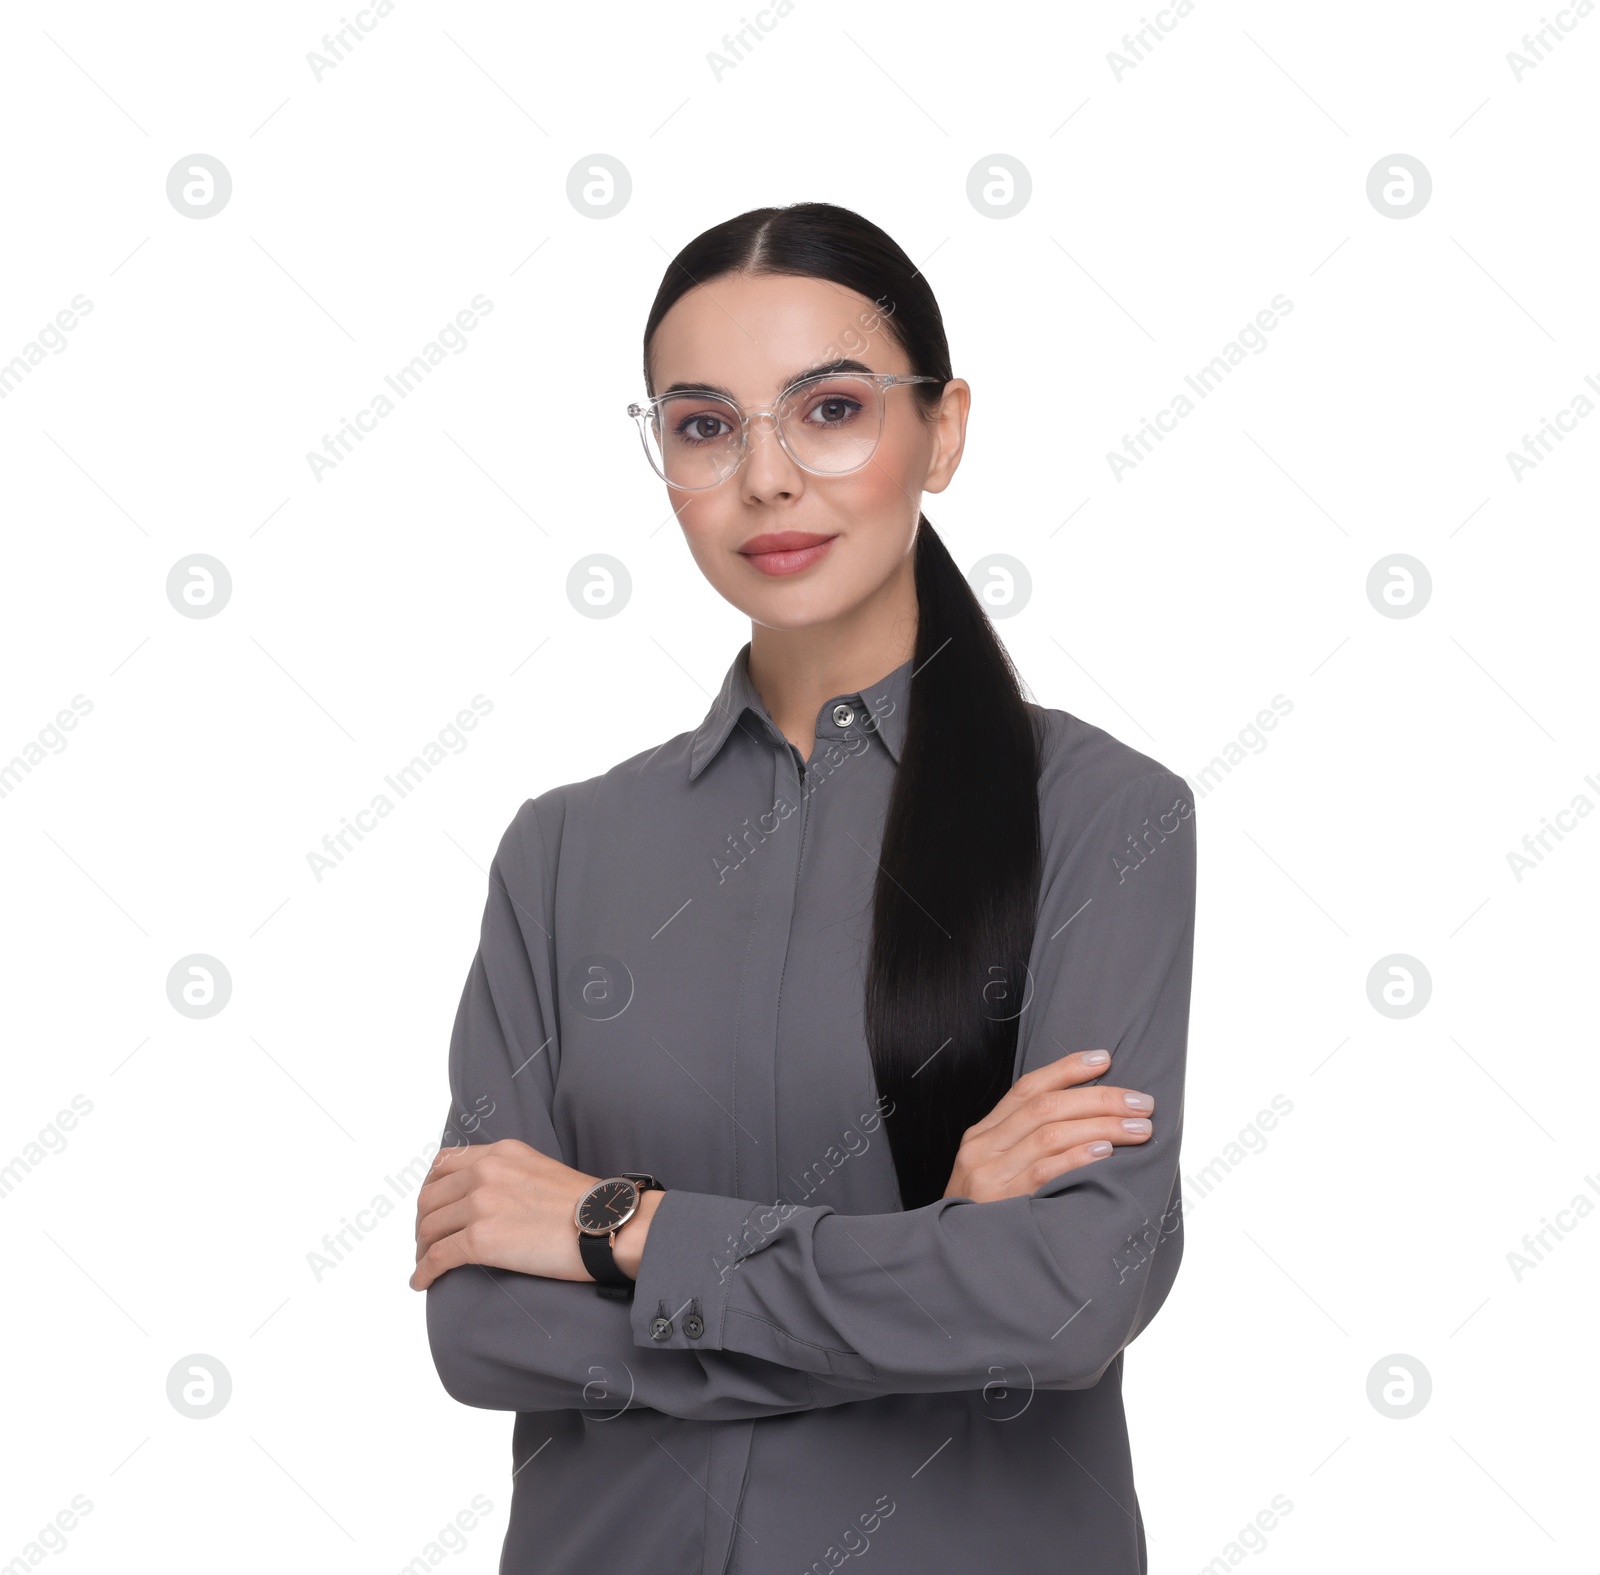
[504, 1205]
[1045, 1126]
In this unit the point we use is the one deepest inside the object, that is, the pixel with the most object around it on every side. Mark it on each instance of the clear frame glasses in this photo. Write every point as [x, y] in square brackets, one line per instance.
[828, 424]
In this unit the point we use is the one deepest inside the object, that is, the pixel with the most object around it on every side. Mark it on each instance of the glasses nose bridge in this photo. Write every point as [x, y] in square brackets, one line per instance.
[751, 418]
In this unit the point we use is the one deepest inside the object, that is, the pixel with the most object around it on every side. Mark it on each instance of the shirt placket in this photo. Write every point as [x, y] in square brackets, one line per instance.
[756, 1059]
[760, 1035]
[777, 862]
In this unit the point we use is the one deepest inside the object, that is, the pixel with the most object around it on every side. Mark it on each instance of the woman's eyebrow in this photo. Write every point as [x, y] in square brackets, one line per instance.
[826, 369]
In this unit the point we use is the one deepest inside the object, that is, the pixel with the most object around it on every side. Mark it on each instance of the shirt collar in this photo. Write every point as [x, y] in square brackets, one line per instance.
[886, 702]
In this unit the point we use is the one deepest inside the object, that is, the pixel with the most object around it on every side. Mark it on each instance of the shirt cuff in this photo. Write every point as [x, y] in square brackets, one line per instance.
[687, 1268]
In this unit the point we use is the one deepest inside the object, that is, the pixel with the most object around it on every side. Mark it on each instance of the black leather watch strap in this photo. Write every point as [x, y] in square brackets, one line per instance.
[601, 1262]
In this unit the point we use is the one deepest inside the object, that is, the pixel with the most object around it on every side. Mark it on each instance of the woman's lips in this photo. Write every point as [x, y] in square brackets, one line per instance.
[786, 552]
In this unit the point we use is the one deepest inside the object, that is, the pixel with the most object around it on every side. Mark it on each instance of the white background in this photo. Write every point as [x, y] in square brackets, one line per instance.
[368, 607]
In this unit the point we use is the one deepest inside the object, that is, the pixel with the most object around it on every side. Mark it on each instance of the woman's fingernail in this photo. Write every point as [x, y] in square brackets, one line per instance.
[1099, 1150]
[1133, 1124]
[1138, 1101]
[1094, 1057]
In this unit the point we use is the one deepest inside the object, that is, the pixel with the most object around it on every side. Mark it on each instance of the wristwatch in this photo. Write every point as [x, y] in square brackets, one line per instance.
[601, 1212]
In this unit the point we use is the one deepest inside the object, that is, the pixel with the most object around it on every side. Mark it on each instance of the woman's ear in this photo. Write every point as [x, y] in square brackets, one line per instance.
[949, 424]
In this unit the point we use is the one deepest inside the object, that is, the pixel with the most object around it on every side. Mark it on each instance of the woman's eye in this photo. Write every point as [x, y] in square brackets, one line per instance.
[702, 428]
[833, 410]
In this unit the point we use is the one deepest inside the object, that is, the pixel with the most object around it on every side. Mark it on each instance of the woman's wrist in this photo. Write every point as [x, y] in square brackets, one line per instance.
[629, 1249]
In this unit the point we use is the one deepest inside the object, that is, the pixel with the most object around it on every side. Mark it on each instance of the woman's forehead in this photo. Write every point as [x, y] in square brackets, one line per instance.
[755, 333]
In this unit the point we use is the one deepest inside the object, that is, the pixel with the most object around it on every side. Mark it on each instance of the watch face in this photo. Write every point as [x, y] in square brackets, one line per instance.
[606, 1206]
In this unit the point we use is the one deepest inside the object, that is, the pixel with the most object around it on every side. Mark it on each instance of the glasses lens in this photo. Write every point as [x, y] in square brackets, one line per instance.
[693, 440]
[833, 424]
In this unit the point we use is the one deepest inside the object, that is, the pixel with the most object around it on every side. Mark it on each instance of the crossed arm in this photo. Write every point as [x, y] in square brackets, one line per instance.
[1045, 1249]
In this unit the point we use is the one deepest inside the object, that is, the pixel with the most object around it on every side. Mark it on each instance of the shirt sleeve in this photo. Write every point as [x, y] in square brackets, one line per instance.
[934, 1298]
[517, 1342]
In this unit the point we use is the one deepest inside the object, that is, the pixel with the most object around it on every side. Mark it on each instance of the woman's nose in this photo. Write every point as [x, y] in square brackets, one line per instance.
[768, 470]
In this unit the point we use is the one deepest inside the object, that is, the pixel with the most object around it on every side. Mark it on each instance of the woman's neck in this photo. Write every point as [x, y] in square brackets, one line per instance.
[796, 670]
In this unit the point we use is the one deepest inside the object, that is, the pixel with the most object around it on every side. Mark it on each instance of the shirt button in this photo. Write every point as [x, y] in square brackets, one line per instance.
[694, 1326]
[661, 1329]
[843, 715]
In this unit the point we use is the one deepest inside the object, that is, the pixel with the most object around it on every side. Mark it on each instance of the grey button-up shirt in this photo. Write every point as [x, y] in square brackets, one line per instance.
[670, 979]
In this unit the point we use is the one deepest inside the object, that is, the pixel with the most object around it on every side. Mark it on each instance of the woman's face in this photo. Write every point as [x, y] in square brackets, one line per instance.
[753, 335]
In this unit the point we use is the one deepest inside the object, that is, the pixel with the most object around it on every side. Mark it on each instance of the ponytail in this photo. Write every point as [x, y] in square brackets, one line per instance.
[958, 883]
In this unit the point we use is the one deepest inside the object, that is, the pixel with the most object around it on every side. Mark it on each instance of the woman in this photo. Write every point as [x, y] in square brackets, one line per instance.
[794, 1218]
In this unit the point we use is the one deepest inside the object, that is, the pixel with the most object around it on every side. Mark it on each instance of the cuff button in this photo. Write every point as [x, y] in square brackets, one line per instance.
[661, 1329]
[694, 1326]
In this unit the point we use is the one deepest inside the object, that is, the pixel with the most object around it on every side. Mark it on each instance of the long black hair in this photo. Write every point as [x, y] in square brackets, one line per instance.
[958, 879]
